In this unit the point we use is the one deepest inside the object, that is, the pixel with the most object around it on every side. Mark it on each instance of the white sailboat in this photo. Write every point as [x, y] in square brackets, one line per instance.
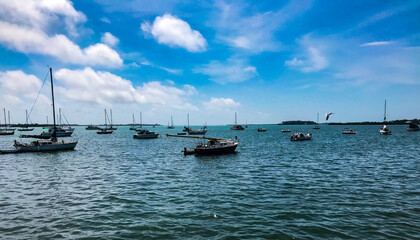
[384, 129]
[26, 127]
[46, 145]
[105, 130]
[172, 124]
[317, 122]
[6, 130]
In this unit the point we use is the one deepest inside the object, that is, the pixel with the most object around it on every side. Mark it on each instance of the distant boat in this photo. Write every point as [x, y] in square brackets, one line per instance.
[190, 131]
[348, 131]
[413, 127]
[105, 130]
[92, 127]
[145, 134]
[384, 129]
[317, 121]
[285, 130]
[261, 130]
[45, 145]
[133, 127]
[26, 128]
[6, 131]
[300, 137]
[236, 126]
[213, 146]
[111, 126]
[172, 124]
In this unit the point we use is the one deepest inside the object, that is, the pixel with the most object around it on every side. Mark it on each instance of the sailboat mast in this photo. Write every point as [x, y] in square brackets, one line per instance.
[111, 116]
[59, 114]
[52, 97]
[141, 120]
[188, 120]
[8, 114]
[385, 111]
[105, 117]
[172, 121]
[317, 118]
[4, 113]
[26, 112]
[236, 119]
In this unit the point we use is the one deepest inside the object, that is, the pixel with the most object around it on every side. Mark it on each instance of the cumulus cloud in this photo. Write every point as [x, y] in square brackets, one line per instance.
[17, 87]
[105, 88]
[109, 39]
[233, 70]
[221, 104]
[174, 32]
[40, 14]
[30, 40]
[311, 58]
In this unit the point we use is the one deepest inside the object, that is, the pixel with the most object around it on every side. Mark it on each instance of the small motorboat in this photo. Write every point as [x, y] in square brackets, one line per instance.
[285, 130]
[348, 131]
[300, 137]
[145, 134]
[385, 130]
[413, 127]
[104, 131]
[261, 130]
[92, 127]
[214, 146]
[201, 131]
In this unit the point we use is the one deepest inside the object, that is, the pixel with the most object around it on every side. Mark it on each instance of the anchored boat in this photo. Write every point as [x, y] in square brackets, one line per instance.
[348, 131]
[213, 146]
[413, 127]
[300, 137]
[44, 145]
[145, 134]
[384, 129]
[236, 126]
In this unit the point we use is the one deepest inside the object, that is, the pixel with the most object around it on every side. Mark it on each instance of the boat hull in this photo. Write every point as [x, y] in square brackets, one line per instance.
[215, 151]
[47, 148]
[25, 129]
[6, 133]
[145, 136]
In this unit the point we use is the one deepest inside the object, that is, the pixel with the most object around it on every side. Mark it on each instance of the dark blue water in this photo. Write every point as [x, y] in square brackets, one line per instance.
[363, 186]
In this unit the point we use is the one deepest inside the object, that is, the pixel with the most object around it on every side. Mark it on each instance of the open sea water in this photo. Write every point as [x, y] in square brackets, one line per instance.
[363, 186]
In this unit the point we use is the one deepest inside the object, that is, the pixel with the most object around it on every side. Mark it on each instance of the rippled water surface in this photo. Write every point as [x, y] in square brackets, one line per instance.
[363, 186]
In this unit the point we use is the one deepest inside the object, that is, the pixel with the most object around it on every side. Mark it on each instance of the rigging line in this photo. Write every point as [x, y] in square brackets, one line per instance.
[43, 83]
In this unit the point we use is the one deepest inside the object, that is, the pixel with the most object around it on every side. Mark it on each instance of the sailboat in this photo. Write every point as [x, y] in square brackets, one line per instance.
[6, 130]
[26, 128]
[172, 124]
[133, 127]
[317, 121]
[45, 145]
[384, 129]
[111, 127]
[213, 146]
[236, 126]
[190, 131]
[105, 130]
[186, 129]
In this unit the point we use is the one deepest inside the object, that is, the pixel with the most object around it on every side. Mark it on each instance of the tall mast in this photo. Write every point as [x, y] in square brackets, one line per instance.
[172, 122]
[4, 113]
[59, 114]
[188, 119]
[8, 114]
[111, 116]
[141, 120]
[236, 119]
[52, 94]
[385, 111]
[26, 112]
[105, 117]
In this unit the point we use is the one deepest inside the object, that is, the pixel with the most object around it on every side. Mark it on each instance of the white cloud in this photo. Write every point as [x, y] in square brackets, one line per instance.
[109, 39]
[253, 32]
[40, 14]
[175, 32]
[233, 70]
[218, 104]
[17, 87]
[105, 20]
[105, 88]
[27, 40]
[381, 43]
[311, 59]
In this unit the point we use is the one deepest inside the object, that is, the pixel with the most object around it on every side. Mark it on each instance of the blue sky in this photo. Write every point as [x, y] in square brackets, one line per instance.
[269, 61]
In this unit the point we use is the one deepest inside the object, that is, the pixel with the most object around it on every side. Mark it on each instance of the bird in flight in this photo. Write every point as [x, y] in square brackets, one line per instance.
[327, 116]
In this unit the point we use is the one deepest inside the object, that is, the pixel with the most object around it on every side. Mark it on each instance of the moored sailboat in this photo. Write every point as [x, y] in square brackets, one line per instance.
[172, 124]
[384, 129]
[6, 130]
[105, 130]
[317, 122]
[236, 126]
[45, 145]
[26, 128]
[213, 146]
